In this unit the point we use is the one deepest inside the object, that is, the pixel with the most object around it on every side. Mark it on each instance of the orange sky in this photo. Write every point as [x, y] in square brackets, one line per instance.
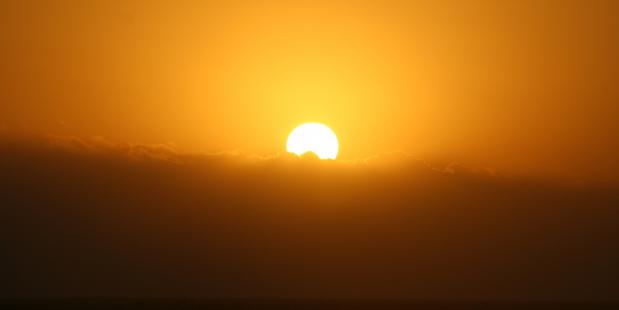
[527, 87]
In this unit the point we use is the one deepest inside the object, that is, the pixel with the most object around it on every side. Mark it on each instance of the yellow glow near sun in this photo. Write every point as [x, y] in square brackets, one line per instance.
[313, 137]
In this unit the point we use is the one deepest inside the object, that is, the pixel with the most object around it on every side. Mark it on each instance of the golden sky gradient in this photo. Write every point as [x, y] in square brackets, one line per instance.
[528, 87]
[143, 151]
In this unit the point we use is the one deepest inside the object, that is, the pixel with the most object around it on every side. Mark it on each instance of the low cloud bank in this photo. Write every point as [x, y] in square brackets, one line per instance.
[92, 218]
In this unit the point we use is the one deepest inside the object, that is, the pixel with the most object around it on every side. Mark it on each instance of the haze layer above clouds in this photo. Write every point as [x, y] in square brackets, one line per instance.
[528, 87]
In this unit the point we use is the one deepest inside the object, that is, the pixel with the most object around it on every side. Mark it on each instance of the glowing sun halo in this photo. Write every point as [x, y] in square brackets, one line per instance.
[313, 137]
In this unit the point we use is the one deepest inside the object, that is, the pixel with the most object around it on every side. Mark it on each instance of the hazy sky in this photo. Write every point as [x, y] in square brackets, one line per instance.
[528, 87]
[114, 116]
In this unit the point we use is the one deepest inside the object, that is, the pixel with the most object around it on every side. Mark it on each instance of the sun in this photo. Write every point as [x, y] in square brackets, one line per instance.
[313, 137]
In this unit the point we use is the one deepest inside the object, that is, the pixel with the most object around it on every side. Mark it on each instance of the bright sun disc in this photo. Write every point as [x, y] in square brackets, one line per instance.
[313, 137]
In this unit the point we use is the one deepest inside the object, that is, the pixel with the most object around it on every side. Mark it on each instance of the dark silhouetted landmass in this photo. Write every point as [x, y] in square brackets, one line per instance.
[100, 220]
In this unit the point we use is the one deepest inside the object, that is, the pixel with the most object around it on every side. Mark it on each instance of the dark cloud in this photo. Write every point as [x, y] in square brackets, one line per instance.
[89, 217]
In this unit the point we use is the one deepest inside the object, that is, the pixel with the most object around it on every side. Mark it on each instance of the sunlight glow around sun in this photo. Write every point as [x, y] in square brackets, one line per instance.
[313, 137]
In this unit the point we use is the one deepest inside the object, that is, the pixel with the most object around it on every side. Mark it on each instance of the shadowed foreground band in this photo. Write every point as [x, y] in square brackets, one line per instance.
[106, 220]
